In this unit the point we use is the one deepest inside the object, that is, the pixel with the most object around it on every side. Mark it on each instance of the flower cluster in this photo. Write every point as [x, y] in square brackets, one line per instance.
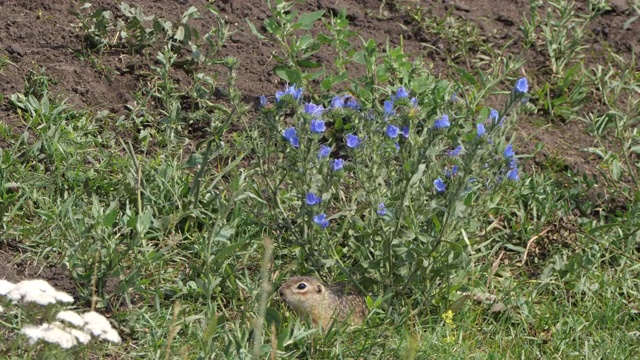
[70, 328]
[321, 220]
[442, 122]
[291, 135]
[33, 291]
[399, 112]
[345, 101]
[293, 91]
[313, 114]
[512, 167]
[393, 131]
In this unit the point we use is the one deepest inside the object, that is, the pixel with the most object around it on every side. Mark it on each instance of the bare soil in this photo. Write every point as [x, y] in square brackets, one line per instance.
[40, 34]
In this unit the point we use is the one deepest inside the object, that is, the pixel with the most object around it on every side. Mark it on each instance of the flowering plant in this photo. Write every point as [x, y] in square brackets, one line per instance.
[387, 186]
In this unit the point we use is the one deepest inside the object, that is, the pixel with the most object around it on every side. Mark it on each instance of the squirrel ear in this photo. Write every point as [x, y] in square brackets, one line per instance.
[319, 289]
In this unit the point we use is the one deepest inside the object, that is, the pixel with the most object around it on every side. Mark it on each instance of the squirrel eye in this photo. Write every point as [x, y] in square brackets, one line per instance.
[301, 286]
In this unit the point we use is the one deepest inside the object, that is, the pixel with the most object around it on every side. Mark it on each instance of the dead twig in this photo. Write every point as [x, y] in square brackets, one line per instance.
[530, 242]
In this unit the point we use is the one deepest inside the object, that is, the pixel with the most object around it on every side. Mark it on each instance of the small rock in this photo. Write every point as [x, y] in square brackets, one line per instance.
[457, 6]
[16, 49]
[462, 7]
[619, 6]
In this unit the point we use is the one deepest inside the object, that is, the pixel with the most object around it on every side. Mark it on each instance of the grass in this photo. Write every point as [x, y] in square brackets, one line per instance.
[182, 245]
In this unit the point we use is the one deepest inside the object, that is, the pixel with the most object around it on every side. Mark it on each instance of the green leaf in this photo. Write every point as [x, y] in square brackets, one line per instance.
[179, 33]
[324, 39]
[436, 223]
[459, 303]
[111, 214]
[314, 75]
[305, 21]
[308, 64]
[272, 26]
[272, 316]
[191, 13]
[417, 176]
[143, 222]
[468, 200]
[305, 41]
[596, 229]
[616, 170]
[627, 24]
[360, 58]
[225, 252]
[292, 76]
[253, 29]
[466, 76]
[327, 83]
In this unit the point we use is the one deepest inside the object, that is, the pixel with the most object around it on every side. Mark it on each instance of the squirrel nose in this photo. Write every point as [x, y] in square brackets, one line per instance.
[281, 293]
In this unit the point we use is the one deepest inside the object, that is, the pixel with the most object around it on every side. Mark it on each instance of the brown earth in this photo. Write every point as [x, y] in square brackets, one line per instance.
[40, 34]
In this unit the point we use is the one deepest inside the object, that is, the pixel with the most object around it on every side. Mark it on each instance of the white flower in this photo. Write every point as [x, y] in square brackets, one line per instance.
[71, 317]
[81, 336]
[51, 334]
[99, 326]
[39, 292]
[111, 335]
[31, 332]
[5, 287]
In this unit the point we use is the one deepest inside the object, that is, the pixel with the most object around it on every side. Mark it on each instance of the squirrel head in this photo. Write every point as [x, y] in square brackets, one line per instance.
[299, 292]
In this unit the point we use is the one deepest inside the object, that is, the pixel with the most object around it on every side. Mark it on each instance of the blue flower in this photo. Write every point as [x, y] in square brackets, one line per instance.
[313, 199]
[401, 93]
[337, 102]
[452, 172]
[296, 93]
[396, 145]
[295, 142]
[494, 115]
[513, 174]
[382, 210]
[388, 108]
[456, 151]
[313, 110]
[317, 126]
[263, 101]
[414, 102]
[353, 141]
[443, 122]
[352, 103]
[522, 86]
[323, 152]
[392, 131]
[405, 132]
[337, 164]
[290, 135]
[508, 152]
[321, 220]
[480, 129]
[440, 185]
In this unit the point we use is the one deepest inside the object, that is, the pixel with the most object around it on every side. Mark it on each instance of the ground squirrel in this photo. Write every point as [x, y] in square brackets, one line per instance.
[310, 298]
